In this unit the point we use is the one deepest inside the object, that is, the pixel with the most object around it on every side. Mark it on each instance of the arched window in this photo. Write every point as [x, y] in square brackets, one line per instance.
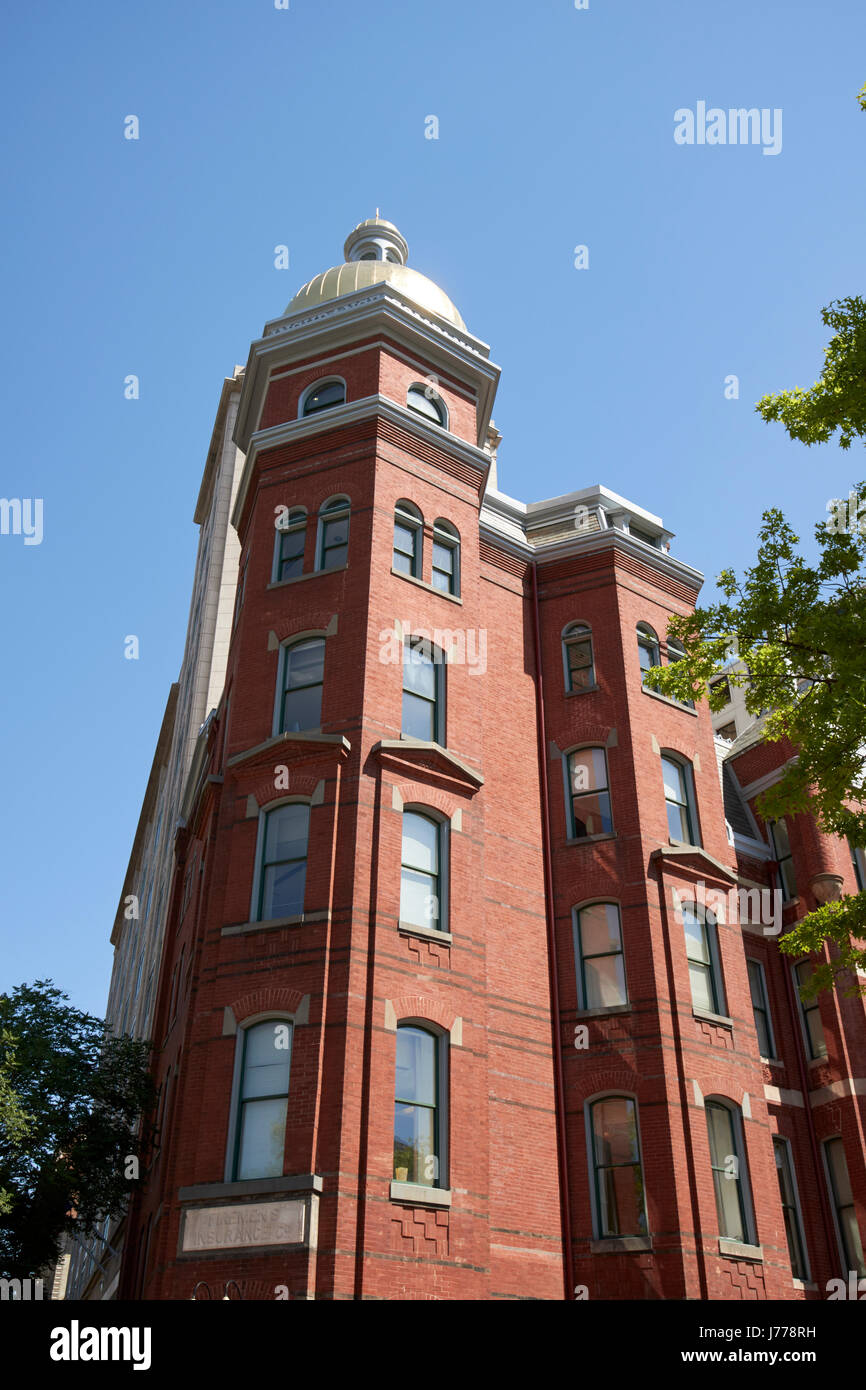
[420, 1097]
[423, 690]
[577, 657]
[680, 799]
[332, 549]
[599, 956]
[322, 395]
[408, 539]
[618, 1189]
[702, 951]
[446, 557]
[427, 401]
[302, 669]
[589, 810]
[289, 550]
[282, 867]
[647, 647]
[424, 872]
[730, 1173]
[258, 1129]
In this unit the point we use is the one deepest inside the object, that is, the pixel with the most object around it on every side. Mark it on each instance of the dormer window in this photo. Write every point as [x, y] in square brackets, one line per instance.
[427, 402]
[322, 396]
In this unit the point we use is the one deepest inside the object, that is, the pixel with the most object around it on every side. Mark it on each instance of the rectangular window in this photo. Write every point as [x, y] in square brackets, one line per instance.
[679, 801]
[618, 1175]
[418, 1121]
[810, 1014]
[727, 1160]
[843, 1205]
[263, 1098]
[723, 686]
[421, 876]
[290, 554]
[283, 866]
[303, 667]
[599, 954]
[782, 852]
[761, 1008]
[728, 731]
[702, 952]
[423, 714]
[791, 1209]
[443, 567]
[589, 797]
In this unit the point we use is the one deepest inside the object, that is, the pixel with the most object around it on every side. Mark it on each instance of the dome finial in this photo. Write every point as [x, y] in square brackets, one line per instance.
[376, 240]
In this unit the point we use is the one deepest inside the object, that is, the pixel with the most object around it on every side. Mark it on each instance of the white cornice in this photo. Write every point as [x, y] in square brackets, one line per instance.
[326, 421]
[351, 317]
[505, 527]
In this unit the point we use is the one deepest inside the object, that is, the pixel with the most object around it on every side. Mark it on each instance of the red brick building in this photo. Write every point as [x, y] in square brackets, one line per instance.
[443, 1010]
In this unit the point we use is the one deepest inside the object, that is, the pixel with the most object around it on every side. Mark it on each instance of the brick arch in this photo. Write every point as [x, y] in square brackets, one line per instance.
[587, 733]
[422, 794]
[615, 1079]
[419, 1006]
[261, 1001]
[317, 620]
[300, 784]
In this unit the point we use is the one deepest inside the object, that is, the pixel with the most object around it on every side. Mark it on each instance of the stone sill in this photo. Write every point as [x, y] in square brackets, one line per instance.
[817, 1061]
[585, 690]
[429, 933]
[736, 1250]
[604, 1012]
[591, 839]
[721, 1019]
[800, 1284]
[620, 1245]
[772, 1062]
[273, 923]
[674, 704]
[298, 578]
[250, 1187]
[419, 1195]
[431, 588]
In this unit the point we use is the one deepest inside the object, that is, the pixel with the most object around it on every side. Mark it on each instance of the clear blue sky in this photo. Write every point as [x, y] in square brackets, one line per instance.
[262, 126]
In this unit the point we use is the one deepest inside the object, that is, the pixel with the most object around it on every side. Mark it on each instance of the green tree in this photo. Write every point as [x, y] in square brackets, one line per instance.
[71, 1095]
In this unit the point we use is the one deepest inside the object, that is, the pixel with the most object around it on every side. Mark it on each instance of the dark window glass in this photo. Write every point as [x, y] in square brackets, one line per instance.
[760, 1008]
[324, 396]
[782, 850]
[648, 651]
[619, 1189]
[790, 1210]
[303, 673]
[810, 1014]
[334, 541]
[579, 668]
[407, 542]
[589, 797]
[290, 546]
[284, 862]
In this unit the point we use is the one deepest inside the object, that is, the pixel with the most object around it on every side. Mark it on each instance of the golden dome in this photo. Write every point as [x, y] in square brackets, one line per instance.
[359, 275]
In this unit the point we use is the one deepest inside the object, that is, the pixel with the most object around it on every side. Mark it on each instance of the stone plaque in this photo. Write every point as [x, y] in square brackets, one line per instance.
[248, 1223]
